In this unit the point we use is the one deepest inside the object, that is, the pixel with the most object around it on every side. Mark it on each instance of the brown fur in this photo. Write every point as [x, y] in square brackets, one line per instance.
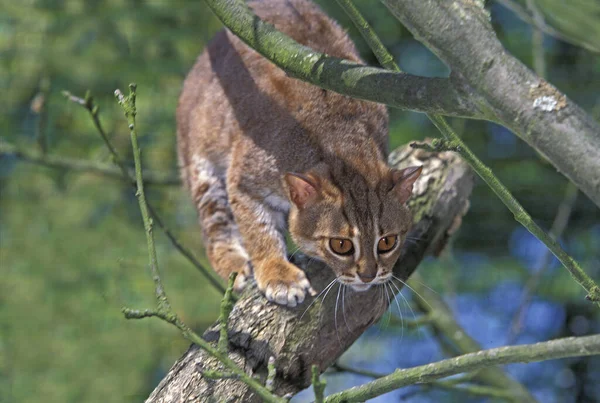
[243, 125]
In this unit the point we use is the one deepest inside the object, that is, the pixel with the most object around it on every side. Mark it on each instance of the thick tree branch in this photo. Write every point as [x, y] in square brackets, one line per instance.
[459, 33]
[405, 91]
[455, 143]
[310, 333]
[486, 81]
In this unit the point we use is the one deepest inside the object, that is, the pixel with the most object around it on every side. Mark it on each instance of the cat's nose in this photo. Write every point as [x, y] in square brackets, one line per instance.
[366, 277]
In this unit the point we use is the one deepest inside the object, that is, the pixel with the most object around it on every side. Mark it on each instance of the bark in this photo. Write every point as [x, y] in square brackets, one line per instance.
[318, 333]
[400, 90]
[486, 82]
[459, 33]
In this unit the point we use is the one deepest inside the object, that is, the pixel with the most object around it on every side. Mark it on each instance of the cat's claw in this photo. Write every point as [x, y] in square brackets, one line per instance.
[289, 292]
[289, 295]
[242, 278]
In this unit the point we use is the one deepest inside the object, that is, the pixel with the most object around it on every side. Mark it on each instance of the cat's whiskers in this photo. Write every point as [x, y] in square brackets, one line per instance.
[337, 300]
[344, 305]
[404, 298]
[381, 297]
[386, 306]
[330, 287]
[317, 297]
[421, 332]
[425, 285]
[293, 253]
[413, 290]
[389, 284]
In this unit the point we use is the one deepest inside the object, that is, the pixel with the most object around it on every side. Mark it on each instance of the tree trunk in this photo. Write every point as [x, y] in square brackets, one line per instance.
[318, 331]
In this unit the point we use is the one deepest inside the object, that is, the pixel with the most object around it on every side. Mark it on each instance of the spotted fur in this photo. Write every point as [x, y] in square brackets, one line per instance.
[244, 126]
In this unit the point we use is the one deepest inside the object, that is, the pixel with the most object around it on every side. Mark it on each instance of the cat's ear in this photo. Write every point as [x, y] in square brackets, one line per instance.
[303, 189]
[403, 181]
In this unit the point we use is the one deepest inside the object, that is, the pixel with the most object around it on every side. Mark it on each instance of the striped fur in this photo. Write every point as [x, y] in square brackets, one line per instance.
[243, 125]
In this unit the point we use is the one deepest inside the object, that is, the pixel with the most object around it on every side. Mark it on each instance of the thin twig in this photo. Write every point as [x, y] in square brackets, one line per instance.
[383, 56]
[338, 367]
[318, 385]
[88, 103]
[537, 39]
[93, 110]
[77, 165]
[193, 337]
[271, 374]
[454, 143]
[128, 105]
[208, 274]
[560, 348]
[523, 15]
[226, 308]
[164, 310]
[446, 328]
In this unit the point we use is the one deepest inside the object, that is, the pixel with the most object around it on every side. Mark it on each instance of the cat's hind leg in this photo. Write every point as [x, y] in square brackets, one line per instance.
[222, 239]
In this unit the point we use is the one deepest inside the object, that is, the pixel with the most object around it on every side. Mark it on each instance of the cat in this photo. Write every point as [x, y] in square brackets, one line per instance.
[261, 152]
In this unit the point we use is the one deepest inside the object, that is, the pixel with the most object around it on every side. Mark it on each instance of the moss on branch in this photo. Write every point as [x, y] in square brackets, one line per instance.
[405, 91]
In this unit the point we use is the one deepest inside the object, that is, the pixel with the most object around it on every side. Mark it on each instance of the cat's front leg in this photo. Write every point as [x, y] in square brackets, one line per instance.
[261, 229]
[282, 282]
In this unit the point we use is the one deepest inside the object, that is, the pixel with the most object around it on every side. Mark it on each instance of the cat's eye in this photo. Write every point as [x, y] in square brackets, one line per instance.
[387, 243]
[341, 246]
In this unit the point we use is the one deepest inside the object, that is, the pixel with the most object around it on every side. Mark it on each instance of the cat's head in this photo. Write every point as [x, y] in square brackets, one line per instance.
[354, 224]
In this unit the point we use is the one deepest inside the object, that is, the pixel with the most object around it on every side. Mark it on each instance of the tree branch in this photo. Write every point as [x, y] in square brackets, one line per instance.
[452, 142]
[164, 310]
[459, 33]
[405, 91]
[539, 24]
[307, 335]
[486, 82]
[444, 325]
[455, 143]
[77, 165]
[549, 350]
[93, 110]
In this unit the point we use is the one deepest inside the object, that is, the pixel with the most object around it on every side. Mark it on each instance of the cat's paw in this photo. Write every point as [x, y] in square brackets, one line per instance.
[242, 278]
[283, 283]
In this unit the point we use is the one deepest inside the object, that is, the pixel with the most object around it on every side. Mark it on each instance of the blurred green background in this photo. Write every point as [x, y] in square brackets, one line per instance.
[72, 247]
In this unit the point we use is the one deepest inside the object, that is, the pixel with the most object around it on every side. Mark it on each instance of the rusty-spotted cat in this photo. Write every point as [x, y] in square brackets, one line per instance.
[262, 153]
